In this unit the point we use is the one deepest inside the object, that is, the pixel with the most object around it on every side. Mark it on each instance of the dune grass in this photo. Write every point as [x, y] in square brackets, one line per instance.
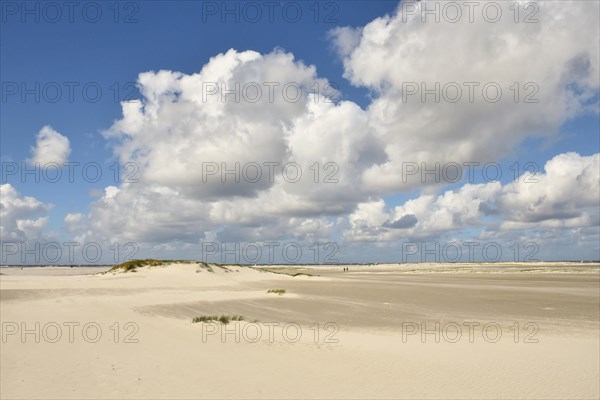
[130, 266]
[284, 271]
[135, 265]
[276, 291]
[224, 319]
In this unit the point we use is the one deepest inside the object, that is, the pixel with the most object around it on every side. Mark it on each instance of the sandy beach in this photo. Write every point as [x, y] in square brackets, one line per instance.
[378, 331]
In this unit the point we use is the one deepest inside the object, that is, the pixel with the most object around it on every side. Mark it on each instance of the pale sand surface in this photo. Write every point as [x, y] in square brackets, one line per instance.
[367, 358]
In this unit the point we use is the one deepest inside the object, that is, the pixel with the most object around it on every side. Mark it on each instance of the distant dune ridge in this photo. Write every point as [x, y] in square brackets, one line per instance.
[169, 329]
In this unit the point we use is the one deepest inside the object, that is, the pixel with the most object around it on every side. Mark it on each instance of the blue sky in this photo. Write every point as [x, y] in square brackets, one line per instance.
[179, 36]
[183, 36]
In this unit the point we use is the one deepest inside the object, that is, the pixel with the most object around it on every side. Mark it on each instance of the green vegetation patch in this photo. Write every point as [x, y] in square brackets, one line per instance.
[224, 319]
[284, 271]
[130, 266]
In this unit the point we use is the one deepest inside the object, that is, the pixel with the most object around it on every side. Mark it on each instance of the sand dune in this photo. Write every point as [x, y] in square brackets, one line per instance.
[380, 331]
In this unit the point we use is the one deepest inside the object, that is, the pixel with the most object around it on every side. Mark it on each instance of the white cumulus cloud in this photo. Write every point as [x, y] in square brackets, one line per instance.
[50, 147]
[399, 58]
[185, 122]
[22, 218]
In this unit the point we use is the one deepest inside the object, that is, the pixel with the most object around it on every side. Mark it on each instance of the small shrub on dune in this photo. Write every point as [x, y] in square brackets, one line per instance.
[277, 291]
